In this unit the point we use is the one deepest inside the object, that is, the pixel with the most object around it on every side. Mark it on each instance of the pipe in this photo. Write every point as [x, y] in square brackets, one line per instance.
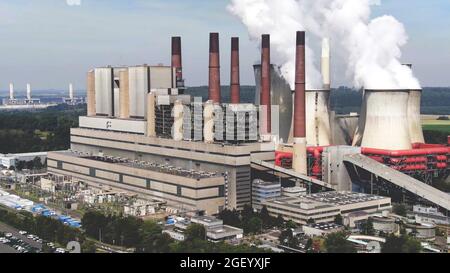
[91, 111]
[235, 77]
[177, 60]
[265, 100]
[299, 162]
[214, 68]
[325, 64]
[429, 151]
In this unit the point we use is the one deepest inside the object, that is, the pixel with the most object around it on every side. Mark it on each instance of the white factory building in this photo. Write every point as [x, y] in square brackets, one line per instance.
[10, 160]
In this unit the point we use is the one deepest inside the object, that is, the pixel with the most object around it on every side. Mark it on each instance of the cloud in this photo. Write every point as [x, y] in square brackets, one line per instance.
[73, 2]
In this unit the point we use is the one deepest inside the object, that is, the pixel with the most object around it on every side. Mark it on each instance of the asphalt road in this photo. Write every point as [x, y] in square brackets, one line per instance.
[7, 249]
[7, 229]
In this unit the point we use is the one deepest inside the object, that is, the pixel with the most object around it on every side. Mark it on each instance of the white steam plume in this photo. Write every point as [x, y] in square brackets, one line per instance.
[371, 48]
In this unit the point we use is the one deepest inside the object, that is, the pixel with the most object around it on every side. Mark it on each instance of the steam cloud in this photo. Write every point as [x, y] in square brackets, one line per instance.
[370, 47]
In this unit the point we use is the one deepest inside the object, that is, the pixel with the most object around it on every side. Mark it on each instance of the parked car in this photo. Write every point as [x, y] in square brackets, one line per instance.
[22, 232]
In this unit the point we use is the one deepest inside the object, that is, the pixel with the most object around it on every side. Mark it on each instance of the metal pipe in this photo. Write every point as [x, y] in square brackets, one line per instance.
[214, 68]
[235, 77]
[265, 100]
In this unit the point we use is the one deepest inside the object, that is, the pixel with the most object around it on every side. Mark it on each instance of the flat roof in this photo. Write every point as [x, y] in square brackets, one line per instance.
[343, 197]
[145, 165]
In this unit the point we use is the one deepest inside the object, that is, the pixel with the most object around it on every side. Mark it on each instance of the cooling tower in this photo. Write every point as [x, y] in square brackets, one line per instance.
[90, 96]
[234, 73]
[359, 131]
[11, 91]
[281, 96]
[414, 119]
[318, 131]
[386, 120]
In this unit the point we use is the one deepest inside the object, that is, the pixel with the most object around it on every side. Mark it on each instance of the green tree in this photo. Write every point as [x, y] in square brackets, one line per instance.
[367, 227]
[253, 226]
[400, 209]
[88, 247]
[195, 231]
[400, 244]
[310, 221]
[337, 243]
[338, 220]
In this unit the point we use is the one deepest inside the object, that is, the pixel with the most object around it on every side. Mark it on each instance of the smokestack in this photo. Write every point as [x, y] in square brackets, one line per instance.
[299, 160]
[235, 76]
[214, 68]
[325, 64]
[176, 60]
[28, 91]
[71, 91]
[124, 95]
[11, 91]
[90, 96]
[265, 100]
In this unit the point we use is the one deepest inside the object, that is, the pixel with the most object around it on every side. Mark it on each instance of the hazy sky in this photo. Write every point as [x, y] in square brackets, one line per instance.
[50, 43]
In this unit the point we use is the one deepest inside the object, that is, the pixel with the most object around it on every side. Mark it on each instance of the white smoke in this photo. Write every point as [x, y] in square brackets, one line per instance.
[370, 47]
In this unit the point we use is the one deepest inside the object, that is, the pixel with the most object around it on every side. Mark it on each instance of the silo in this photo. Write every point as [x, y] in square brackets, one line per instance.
[414, 119]
[318, 131]
[386, 122]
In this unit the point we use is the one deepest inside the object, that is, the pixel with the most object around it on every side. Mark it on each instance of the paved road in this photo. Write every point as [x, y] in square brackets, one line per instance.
[7, 249]
[15, 232]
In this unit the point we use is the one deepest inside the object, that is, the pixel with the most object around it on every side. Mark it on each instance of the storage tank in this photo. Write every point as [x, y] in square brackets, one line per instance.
[414, 119]
[318, 131]
[386, 120]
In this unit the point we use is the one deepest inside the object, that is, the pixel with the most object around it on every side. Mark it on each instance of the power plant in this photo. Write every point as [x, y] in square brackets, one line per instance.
[144, 134]
[15, 103]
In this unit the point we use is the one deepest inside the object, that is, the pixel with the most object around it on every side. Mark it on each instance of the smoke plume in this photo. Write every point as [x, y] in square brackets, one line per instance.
[371, 48]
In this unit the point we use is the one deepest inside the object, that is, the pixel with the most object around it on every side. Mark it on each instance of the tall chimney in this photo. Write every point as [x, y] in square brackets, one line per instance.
[11, 91]
[235, 77]
[71, 91]
[299, 161]
[325, 64]
[91, 111]
[214, 68]
[265, 100]
[28, 91]
[176, 60]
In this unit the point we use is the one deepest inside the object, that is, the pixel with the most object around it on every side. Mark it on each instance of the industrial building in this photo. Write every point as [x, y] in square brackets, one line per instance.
[14, 103]
[262, 190]
[10, 160]
[143, 134]
[324, 207]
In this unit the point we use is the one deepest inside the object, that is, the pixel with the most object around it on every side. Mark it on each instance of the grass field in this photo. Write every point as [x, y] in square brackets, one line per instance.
[436, 125]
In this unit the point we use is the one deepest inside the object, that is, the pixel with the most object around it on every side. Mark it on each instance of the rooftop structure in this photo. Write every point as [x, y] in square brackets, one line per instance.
[262, 190]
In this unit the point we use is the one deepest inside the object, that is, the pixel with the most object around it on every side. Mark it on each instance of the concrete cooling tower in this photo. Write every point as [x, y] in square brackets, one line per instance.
[386, 120]
[414, 120]
[281, 95]
[318, 131]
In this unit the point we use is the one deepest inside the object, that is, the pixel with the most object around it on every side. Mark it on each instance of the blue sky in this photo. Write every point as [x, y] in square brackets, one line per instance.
[50, 43]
